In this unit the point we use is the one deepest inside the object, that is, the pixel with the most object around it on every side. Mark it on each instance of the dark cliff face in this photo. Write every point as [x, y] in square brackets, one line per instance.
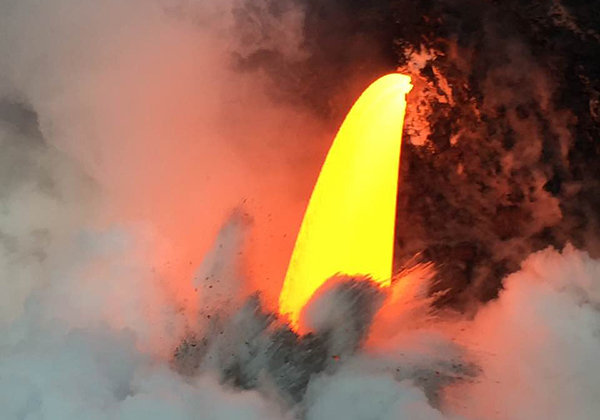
[509, 161]
[501, 153]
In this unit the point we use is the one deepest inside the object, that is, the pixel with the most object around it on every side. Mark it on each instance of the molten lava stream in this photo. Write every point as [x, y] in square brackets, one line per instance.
[349, 223]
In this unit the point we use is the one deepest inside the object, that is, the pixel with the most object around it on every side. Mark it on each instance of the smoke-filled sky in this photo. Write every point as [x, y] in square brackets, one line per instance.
[156, 158]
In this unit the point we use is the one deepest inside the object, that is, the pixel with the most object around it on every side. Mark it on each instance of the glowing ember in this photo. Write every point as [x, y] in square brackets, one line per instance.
[349, 222]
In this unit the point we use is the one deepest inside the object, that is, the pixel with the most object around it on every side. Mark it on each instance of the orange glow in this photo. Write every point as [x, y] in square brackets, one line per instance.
[349, 223]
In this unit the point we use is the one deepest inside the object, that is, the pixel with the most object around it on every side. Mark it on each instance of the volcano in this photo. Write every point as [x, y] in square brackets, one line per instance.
[157, 160]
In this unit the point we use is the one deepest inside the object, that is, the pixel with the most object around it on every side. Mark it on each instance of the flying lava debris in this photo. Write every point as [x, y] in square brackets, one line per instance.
[348, 227]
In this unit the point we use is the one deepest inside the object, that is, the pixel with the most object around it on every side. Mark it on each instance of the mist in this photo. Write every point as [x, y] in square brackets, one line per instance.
[145, 100]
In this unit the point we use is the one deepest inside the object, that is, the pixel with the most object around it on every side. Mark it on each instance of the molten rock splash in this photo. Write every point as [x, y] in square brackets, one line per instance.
[349, 225]
[253, 347]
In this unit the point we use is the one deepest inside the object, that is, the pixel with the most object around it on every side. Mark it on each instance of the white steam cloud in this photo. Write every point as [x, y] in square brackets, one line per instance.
[128, 139]
[144, 97]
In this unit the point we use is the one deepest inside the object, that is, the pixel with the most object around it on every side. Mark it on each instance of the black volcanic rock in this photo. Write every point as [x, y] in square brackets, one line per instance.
[526, 94]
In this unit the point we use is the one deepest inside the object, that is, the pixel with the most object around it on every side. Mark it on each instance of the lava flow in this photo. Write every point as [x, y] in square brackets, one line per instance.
[348, 227]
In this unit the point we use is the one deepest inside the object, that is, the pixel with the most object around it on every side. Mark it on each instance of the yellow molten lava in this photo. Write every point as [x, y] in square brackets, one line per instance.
[349, 223]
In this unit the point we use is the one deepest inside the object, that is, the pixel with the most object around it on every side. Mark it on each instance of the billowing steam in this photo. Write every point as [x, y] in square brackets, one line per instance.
[156, 157]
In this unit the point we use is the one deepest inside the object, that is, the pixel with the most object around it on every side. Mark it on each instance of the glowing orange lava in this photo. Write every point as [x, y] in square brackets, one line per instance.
[349, 223]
